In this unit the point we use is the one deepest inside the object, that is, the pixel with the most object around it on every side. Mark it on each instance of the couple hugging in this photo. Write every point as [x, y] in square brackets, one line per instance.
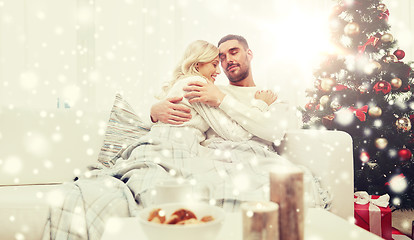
[219, 136]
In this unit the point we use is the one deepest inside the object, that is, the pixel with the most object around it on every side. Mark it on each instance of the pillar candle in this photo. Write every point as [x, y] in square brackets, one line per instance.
[260, 220]
[286, 189]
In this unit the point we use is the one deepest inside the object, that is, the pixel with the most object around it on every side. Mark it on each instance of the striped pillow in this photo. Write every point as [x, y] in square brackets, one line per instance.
[124, 127]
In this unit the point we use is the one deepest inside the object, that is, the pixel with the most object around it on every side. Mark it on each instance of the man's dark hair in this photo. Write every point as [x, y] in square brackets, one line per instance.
[239, 38]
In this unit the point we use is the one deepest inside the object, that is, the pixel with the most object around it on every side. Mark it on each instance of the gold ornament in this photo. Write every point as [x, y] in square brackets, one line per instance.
[403, 124]
[387, 38]
[375, 65]
[324, 100]
[381, 143]
[372, 67]
[375, 112]
[327, 84]
[389, 58]
[382, 7]
[396, 83]
[351, 29]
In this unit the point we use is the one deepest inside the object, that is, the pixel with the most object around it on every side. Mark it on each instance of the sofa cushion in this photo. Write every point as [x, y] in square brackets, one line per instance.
[124, 127]
[25, 210]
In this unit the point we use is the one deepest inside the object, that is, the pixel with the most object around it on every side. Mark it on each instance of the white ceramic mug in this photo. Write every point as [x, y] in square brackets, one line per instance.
[177, 190]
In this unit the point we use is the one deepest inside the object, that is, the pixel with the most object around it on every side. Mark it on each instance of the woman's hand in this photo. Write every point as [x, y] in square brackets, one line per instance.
[266, 95]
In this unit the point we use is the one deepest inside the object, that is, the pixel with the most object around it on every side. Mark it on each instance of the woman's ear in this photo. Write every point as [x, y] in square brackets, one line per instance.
[196, 67]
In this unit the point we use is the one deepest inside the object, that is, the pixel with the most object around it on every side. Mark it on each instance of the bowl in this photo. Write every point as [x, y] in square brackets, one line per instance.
[200, 231]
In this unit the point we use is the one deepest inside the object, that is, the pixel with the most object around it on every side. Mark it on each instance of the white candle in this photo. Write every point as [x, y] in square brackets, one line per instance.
[260, 220]
[286, 189]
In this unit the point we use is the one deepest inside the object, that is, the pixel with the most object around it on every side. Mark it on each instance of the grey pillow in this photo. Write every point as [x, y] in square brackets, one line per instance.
[124, 127]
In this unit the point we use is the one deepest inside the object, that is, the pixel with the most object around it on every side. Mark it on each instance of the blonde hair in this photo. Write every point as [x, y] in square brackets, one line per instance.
[199, 51]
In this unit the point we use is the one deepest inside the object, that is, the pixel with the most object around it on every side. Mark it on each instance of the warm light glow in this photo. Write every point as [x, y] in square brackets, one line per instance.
[300, 37]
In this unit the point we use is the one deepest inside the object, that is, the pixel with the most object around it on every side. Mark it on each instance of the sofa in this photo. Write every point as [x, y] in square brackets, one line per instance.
[24, 208]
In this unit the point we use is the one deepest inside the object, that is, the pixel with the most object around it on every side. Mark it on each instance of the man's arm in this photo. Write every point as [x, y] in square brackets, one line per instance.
[169, 111]
[270, 125]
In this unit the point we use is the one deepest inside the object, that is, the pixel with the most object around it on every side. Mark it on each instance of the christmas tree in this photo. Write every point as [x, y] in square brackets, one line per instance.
[364, 88]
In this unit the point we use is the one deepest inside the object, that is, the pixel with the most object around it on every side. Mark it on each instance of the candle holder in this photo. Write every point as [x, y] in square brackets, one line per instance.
[286, 189]
[260, 220]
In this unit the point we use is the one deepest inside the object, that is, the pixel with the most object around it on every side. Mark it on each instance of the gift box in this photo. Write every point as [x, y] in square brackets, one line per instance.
[373, 214]
[397, 235]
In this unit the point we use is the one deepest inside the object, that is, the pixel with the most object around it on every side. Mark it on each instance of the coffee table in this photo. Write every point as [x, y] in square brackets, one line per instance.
[319, 225]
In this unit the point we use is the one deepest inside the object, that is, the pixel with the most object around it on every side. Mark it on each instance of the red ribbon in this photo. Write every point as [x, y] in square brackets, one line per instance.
[360, 112]
[371, 41]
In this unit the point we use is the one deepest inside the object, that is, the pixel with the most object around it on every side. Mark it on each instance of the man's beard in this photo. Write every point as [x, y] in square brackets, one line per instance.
[239, 77]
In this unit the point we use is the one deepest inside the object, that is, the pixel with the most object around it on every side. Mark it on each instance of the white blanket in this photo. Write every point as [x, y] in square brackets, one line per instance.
[234, 171]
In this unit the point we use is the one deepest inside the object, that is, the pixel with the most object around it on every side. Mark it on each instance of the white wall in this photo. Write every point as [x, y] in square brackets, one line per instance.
[61, 62]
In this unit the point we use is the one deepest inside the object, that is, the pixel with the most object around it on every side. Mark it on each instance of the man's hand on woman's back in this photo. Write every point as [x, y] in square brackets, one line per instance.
[168, 111]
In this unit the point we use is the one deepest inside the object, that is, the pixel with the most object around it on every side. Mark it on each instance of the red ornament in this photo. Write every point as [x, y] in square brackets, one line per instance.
[400, 54]
[405, 88]
[340, 87]
[364, 157]
[310, 106]
[404, 154]
[382, 86]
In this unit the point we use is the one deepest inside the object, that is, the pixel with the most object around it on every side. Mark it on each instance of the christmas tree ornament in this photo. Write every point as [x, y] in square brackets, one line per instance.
[324, 100]
[375, 112]
[364, 157]
[404, 154]
[382, 7]
[387, 38]
[335, 105]
[360, 113]
[382, 87]
[319, 107]
[406, 88]
[381, 143]
[403, 124]
[371, 41]
[310, 106]
[384, 15]
[327, 84]
[396, 83]
[400, 54]
[389, 58]
[351, 29]
[327, 121]
[339, 87]
[373, 67]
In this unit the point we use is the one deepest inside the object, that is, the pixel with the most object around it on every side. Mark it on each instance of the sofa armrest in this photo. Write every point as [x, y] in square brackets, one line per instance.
[328, 155]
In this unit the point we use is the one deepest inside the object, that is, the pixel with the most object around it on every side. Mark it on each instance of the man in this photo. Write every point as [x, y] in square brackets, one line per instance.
[237, 100]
